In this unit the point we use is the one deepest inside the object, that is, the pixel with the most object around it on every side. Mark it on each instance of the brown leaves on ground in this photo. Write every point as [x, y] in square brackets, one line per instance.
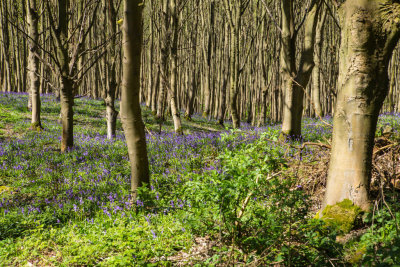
[201, 250]
[312, 173]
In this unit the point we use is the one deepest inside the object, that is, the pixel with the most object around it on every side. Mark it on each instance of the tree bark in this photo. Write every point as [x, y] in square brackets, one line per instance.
[66, 84]
[174, 69]
[295, 81]
[316, 88]
[33, 62]
[111, 113]
[130, 107]
[164, 60]
[370, 31]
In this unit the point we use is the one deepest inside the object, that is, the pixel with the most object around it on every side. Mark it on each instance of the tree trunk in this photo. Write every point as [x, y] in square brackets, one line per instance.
[207, 53]
[6, 86]
[164, 60]
[369, 35]
[66, 84]
[234, 68]
[130, 107]
[295, 82]
[316, 88]
[33, 63]
[174, 69]
[67, 114]
[111, 113]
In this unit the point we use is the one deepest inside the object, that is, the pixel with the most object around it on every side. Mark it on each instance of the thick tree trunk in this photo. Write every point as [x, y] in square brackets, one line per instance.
[368, 40]
[130, 107]
[33, 64]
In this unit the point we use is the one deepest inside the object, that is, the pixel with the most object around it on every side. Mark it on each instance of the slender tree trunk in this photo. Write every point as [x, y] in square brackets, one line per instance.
[174, 69]
[234, 69]
[316, 88]
[150, 87]
[67, 114]
[207, 53]
[164, 61]
[32, 19]
[111, 113]
[6, 48]
[191, 94]
[155, 92]
[66, 84]
[130, 107]
[369, 35]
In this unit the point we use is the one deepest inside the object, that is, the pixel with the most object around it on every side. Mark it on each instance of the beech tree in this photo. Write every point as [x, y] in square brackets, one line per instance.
[173, 86]
[370, 32]
[131, 116]
[234, 12]
[33, 62]
[110, 18]
[295, 79]
[68, 46]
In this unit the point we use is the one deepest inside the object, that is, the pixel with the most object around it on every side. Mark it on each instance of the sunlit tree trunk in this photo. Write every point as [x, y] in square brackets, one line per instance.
[33, 62]
[66, 84]
[295, 80]
[370, 31]
[174, 69]
[207, 51]
[130, 107]
[111, 113]
[164, 40]
[316, 88]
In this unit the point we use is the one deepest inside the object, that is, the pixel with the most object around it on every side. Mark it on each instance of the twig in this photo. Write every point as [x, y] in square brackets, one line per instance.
[385, 147]
[152, 135]
[272, 17]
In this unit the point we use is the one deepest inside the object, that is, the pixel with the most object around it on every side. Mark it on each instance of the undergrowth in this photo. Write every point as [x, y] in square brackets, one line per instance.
[230, 187]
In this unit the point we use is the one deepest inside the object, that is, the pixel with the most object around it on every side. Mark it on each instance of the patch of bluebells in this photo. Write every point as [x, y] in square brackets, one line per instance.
[94, 175]
[93, 178]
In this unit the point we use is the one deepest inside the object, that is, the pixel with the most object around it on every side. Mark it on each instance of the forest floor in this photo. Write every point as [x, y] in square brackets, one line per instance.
[217, 197]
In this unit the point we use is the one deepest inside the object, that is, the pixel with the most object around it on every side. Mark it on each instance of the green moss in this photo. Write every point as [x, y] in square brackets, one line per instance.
[283, 136]
[36, 126]
[342, 215]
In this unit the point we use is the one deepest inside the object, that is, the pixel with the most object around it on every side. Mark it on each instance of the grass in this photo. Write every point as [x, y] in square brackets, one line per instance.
[232, 188]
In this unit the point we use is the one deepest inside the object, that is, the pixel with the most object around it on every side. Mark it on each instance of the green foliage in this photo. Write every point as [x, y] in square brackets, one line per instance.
[381, 243]
[247, 205]
[233, 188]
